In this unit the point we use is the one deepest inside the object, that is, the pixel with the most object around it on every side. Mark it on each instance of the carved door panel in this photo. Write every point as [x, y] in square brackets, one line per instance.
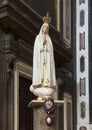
[25, 113]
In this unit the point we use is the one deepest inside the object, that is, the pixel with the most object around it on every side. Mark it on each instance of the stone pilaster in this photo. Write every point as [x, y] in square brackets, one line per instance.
[39, 115]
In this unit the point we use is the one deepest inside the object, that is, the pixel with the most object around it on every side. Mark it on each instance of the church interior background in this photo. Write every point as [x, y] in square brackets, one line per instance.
[71, 30]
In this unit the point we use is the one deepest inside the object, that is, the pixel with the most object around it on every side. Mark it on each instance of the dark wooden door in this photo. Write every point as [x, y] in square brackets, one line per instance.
[25, 113]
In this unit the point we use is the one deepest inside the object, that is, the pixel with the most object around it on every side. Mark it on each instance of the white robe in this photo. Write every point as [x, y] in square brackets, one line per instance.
[43, 72]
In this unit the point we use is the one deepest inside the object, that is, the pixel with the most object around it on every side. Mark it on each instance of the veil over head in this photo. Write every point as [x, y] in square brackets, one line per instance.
[40, 32]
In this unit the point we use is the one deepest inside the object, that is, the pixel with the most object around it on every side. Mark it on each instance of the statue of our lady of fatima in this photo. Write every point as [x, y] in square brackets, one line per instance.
[44, 80]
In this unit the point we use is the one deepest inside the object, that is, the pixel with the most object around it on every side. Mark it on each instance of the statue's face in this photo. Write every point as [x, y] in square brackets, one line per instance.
[45, 29]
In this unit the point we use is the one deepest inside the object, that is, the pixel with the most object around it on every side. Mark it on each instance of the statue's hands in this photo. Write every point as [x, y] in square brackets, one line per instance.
[44, 39]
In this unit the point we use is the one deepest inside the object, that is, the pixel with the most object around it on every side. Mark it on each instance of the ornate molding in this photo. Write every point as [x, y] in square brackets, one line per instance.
[82, 1]
[82, 17]
[10, 58]
[83, 128]
[67, 23]
[82, 86]
[83, 109]
[82, 40]
[82, 63]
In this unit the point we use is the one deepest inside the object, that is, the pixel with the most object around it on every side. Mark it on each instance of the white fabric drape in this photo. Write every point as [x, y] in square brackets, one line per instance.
[43, 62]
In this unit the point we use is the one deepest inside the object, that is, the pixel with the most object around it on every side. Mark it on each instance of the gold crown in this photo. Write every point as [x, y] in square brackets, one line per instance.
[46, 18]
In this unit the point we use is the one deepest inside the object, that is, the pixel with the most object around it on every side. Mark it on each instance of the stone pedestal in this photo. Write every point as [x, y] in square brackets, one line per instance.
[39, 115]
